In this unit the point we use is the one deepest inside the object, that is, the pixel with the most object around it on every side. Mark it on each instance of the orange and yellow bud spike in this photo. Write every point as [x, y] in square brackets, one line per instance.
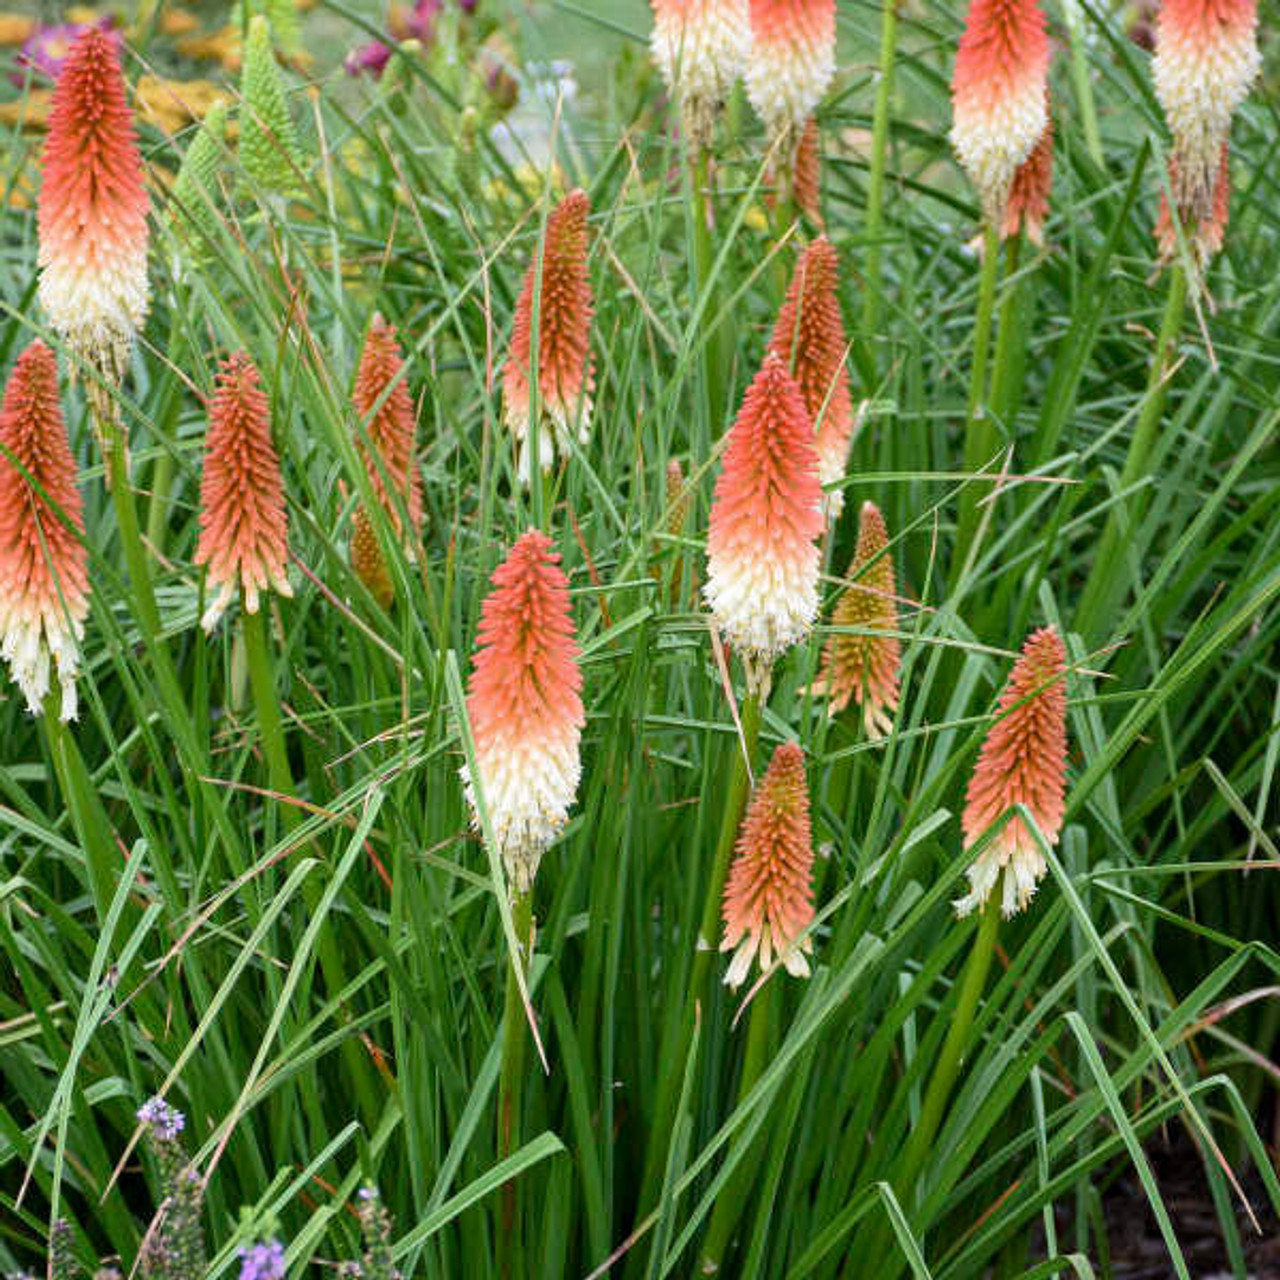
[44, 583]
[863, 667]
[1023, 761]
[243, 524]
[565, 373]
[768, 895]
[1205, 62]
[762, 559]
[790, 66]
[367, 560]
[806, 174]
[385, 443]
[93, 210]
[525, 707]
[809, 338]
[998, 96]
[701, 48]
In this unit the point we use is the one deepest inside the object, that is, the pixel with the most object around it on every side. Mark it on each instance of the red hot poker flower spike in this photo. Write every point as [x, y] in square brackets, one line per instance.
[388, 419]
[565, 371]
[864, 668]
[700, 47]
[1205, 63]
[998, 96]
[525, 707]
[768, 895]
[44, 584]
[809, 338]
[1023, 761]
[806, 174]
[791, 64]
[762, 561]
[93, 210]
[243, 524]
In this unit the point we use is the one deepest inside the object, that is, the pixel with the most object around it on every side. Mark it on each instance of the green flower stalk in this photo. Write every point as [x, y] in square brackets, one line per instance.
[269, 147]
[193, 201]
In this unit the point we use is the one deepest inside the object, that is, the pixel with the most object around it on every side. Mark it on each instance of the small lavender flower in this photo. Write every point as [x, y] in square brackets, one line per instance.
[166, 1122]
[62, 1258]
[375, 1227]
[262, 1261]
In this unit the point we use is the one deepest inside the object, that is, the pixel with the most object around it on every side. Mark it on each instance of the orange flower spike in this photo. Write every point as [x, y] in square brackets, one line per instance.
[525, 706]
[806, 174]
[791, 64]
[367, 560]
[762, 559]
[388, 420]
[998, 96]
[864, 668]
[809, 337]
[243, 524]
[1028, 204]
[1205, 236]
[565, 370]
[93, 210]
[1023, 761]
[700, 47]
[1205, 63]
[768, 895]
[44, 582]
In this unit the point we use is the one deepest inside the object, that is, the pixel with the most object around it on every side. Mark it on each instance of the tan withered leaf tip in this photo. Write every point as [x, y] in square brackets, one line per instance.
[1023, 761]
[243, 524]
[768, 896]
[863, 668]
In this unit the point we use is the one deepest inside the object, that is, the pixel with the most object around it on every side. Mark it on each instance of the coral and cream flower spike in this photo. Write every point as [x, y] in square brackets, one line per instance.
[92, 215]
[791, 65]
[864, 667]
[701, 48]
[44, 583]
[768, 895]
[762, 559]
[382, 402]
[1023, 761]
[1205, 62]
[525, 707]
[243, 524]
[809, 338]
[565, 372]
[998, 96]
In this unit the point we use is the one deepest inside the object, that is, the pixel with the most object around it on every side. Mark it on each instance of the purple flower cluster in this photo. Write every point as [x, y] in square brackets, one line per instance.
[262, 1261]
[418, 24]
[166, 1122]
[46, 49]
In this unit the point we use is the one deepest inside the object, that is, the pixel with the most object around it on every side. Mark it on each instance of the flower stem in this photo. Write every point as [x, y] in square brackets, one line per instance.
[1083, 84]
[733, 1196]
[879, 155]
[509, 1088]
[979, 431]
[673, 1055]
[1105, 585]
[920, 1142]
[280, 776]
[715, 354]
